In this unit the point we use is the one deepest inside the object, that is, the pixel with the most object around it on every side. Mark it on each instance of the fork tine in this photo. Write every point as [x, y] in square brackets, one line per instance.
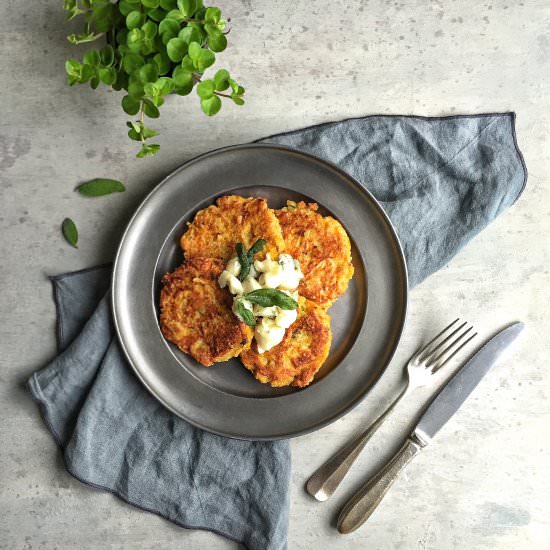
[437, 366]
[426, 347]
[434, 345]
[437, 360]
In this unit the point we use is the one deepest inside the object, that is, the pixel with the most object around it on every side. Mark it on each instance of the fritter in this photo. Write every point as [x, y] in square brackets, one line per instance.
[322, 247]
[215, 230]
[196, 313]
[299, 356]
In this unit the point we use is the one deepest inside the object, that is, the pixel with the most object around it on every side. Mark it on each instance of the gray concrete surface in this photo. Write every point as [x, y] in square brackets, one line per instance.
[484, 484]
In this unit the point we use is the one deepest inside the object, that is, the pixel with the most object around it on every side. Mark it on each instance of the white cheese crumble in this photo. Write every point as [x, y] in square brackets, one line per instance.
[282, 274]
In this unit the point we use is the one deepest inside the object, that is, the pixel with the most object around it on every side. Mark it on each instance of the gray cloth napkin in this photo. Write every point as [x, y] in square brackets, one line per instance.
[441, 180]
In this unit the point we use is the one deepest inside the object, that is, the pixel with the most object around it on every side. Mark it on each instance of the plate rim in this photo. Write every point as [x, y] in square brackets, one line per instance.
[404, 299]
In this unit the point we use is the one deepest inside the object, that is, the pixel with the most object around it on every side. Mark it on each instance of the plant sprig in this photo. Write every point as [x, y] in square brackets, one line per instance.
[153, 48]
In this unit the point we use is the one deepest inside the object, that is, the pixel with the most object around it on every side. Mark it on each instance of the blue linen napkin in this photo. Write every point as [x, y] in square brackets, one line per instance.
[441, 180]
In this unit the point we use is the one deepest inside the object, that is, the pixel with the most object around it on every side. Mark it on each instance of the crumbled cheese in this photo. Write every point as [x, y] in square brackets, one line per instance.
[268, 334]
[228, 279]
[283, 274]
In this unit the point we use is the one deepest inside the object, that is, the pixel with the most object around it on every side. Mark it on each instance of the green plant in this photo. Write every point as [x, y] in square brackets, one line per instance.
[153, 48]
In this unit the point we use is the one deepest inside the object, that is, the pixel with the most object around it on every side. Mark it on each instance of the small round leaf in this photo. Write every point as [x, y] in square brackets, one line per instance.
[188, 7]
[176, 49]
[131, 62]
[92, 58]
[217, 42]
[130, 105]
[150, 109]
[211, 105]
[163, 62]
[149, 72]
[107, 75]
[206, 89]
[107, 54]
[134, 20]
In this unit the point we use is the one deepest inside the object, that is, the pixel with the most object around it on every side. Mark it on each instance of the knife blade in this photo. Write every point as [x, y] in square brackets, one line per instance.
[461, 385]
[448, 400]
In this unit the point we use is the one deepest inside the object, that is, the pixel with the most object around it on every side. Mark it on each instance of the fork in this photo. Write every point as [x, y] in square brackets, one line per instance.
[421, 366]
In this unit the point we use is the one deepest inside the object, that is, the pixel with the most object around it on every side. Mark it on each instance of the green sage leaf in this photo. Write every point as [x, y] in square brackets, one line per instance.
[268, 297]
[244, 260]
[99, 187]
[70, 232]
[246, 315]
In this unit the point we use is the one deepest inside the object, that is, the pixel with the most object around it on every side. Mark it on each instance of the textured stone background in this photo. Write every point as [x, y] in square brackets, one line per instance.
[484, 483]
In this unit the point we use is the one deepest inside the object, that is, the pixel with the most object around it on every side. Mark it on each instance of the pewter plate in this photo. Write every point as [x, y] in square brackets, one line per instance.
[367, 320]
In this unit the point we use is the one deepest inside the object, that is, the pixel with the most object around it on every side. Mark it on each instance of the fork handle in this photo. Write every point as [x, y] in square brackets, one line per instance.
[326, 479]
[363, 503]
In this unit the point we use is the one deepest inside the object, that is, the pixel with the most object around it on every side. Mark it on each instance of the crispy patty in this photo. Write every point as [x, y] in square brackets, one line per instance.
[299, 356]
[322, 247]
[196, 313]
[215, 230]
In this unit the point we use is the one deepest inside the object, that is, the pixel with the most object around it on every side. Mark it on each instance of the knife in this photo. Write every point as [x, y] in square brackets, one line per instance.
[449, 399]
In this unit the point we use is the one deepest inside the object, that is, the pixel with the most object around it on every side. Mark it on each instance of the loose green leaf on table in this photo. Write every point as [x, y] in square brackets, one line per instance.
[70, 232]
[99, 187]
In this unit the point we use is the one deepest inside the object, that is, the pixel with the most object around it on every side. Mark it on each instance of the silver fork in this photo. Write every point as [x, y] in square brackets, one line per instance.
[421, 366]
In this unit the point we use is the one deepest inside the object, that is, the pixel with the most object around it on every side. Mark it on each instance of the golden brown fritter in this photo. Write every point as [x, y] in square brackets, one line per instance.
[322, 247]
[299, 356]
[217, 229]
[196, 313]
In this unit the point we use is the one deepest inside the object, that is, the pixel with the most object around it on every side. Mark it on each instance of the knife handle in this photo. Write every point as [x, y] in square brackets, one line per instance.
[363, 503]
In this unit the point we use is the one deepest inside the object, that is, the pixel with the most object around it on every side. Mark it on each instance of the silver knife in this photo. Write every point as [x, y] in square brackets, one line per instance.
[449, 399]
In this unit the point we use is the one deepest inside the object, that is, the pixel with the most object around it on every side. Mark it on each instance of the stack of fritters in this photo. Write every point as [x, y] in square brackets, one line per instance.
[196, 314]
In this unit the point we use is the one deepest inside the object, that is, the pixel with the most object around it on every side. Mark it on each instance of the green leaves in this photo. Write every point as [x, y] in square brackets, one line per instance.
[135, 19]
[70, 232]
[130, 105]
[206, 89]
[267, 297]
[148, 150]
[188, 7]
[107, 55]
[221, 80]
[245, 314]
[149, 73]
[99, 187]
[176, 49]
[131, 62]
[150, 109]
[152, 48]
[202, 58]
[246, 259]
[211, 106]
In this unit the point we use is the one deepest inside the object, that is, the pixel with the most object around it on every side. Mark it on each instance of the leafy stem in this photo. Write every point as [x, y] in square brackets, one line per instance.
[154, 48]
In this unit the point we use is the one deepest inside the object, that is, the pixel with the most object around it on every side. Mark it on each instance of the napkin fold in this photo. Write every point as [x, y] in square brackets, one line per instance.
[440, 180]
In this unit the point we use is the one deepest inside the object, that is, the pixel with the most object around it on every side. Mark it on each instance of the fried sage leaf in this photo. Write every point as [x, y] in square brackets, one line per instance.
[244, 260]
[246, 315]
[268, 297]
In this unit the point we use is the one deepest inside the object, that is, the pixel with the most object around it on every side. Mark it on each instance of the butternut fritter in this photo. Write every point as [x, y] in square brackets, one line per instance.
[322, 247]
[216, 229]
[299, 356]
[196, 313]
